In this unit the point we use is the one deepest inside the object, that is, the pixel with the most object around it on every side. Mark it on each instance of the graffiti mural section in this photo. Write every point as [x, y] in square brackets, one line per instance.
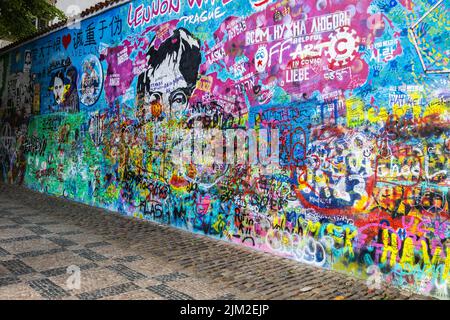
[337, 113]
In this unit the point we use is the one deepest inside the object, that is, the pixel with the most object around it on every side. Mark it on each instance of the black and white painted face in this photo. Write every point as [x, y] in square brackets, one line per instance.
[58, 90]
[171, 76]
[28, 58]
[171, 90]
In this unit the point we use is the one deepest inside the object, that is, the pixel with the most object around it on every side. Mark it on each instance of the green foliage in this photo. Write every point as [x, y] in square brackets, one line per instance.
[17, 17]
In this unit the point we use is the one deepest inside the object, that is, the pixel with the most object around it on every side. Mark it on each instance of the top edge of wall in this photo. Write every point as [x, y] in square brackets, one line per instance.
[85, 14]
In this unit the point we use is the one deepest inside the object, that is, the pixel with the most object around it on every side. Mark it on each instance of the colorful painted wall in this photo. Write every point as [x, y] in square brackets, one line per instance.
[358, 91]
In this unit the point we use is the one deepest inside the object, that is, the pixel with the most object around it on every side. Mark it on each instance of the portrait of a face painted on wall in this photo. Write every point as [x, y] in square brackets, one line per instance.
[58, 87]
[64, 90]
[165, 87]
[18, 85]
[27, 62]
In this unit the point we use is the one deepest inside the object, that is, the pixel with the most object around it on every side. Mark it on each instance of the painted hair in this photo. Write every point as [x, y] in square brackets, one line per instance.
[182, 48]
[58, 75]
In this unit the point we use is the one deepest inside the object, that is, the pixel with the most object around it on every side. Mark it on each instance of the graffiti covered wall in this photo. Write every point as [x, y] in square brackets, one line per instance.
[353, 95]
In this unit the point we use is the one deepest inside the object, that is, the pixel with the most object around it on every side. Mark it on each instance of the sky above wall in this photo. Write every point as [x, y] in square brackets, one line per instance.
[69, 6]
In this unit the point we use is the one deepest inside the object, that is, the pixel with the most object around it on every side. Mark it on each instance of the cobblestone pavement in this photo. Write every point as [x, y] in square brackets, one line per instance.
[125, 258]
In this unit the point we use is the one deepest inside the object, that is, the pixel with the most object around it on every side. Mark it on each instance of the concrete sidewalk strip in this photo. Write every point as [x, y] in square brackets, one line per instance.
[109, 256]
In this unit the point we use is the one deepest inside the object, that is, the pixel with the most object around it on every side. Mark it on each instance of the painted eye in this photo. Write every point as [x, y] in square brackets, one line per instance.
[152, 98]
[179, 101]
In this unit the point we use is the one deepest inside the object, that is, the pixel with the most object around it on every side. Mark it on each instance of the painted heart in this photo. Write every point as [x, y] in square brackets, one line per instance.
[66, 40]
